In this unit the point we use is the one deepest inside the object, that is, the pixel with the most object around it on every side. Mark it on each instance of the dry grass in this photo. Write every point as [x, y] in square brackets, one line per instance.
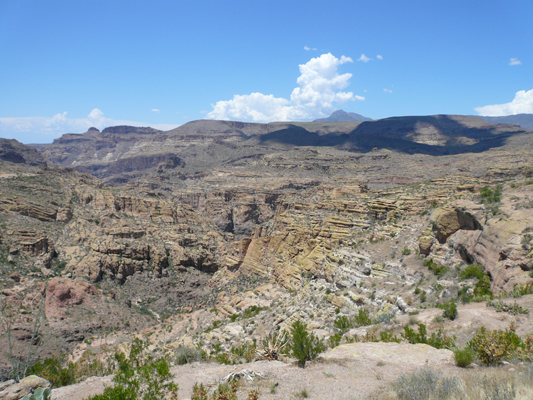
[481, 384]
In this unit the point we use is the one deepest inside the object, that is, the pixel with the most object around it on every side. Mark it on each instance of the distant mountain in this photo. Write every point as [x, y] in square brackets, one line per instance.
[13, 151]
[524, 120]
[343, 116]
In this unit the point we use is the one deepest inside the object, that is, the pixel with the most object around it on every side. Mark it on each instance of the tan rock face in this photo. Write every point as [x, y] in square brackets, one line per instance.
[448, 220]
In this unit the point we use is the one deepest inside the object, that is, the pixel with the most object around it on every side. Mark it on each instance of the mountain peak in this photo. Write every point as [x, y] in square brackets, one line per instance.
[343, 116]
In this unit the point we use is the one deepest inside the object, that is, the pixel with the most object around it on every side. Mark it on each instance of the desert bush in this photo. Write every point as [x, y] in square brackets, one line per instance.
[304, 345]
[438, 339]
[245, 352]
[342, 323]
[521, 290]
[472, 271]
[334, 340]
[140, 377]
[363, 318]
[437, 269]
[489, 196]
[464, 296]
[199, 392]
[450, 310]
[389, 336]
[51, 370]
[482, 287]
[492, 347]
[500, 306]
[186, 355]
[463, 357]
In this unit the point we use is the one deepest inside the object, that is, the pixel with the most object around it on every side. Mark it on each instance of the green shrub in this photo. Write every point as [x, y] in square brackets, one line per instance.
[463, 357]
[482, 287]
[334, 340]
[491, 196]
[472, 271]
[363, 318]
[450, 310]
[304, 346]
[464, 296]
[437, 269]
[51, 370]
[437, 339]
[139, 377]
[389, 336]
[342, 323]
[406, 251]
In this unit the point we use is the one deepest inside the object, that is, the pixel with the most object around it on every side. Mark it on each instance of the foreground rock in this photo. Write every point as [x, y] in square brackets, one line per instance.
[26, 387]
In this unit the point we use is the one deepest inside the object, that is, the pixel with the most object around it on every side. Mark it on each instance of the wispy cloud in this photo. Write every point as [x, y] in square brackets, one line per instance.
[521, 104]
[319, 86]
[515, 61]
[155, 110]
[387, 90]
[364, 58]
[307, 48]
[379, 57]
[44, 129]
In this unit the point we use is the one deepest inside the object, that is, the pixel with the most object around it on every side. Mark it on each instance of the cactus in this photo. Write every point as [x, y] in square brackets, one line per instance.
[39, 394]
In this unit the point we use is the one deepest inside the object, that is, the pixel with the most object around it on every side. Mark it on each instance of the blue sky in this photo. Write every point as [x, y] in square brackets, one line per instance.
[68, 65]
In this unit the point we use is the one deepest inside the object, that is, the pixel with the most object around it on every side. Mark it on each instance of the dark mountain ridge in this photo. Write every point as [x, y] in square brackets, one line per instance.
[127, 153]
[523, 120]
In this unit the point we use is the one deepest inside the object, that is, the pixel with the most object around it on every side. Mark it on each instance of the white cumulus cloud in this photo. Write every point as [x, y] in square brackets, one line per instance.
[319, 86]
[307, 48]
[364, 58]
[44, 129]
[155, 110]
[515, 61]
[521, 104]
[379, 57]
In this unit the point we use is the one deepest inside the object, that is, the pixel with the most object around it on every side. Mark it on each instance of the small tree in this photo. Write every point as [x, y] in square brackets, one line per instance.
[304, 345]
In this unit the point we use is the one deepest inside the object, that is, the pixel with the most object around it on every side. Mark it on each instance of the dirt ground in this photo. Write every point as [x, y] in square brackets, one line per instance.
[350, 371]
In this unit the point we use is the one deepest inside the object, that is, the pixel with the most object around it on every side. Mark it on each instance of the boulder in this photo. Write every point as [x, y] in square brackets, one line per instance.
[25, 387]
